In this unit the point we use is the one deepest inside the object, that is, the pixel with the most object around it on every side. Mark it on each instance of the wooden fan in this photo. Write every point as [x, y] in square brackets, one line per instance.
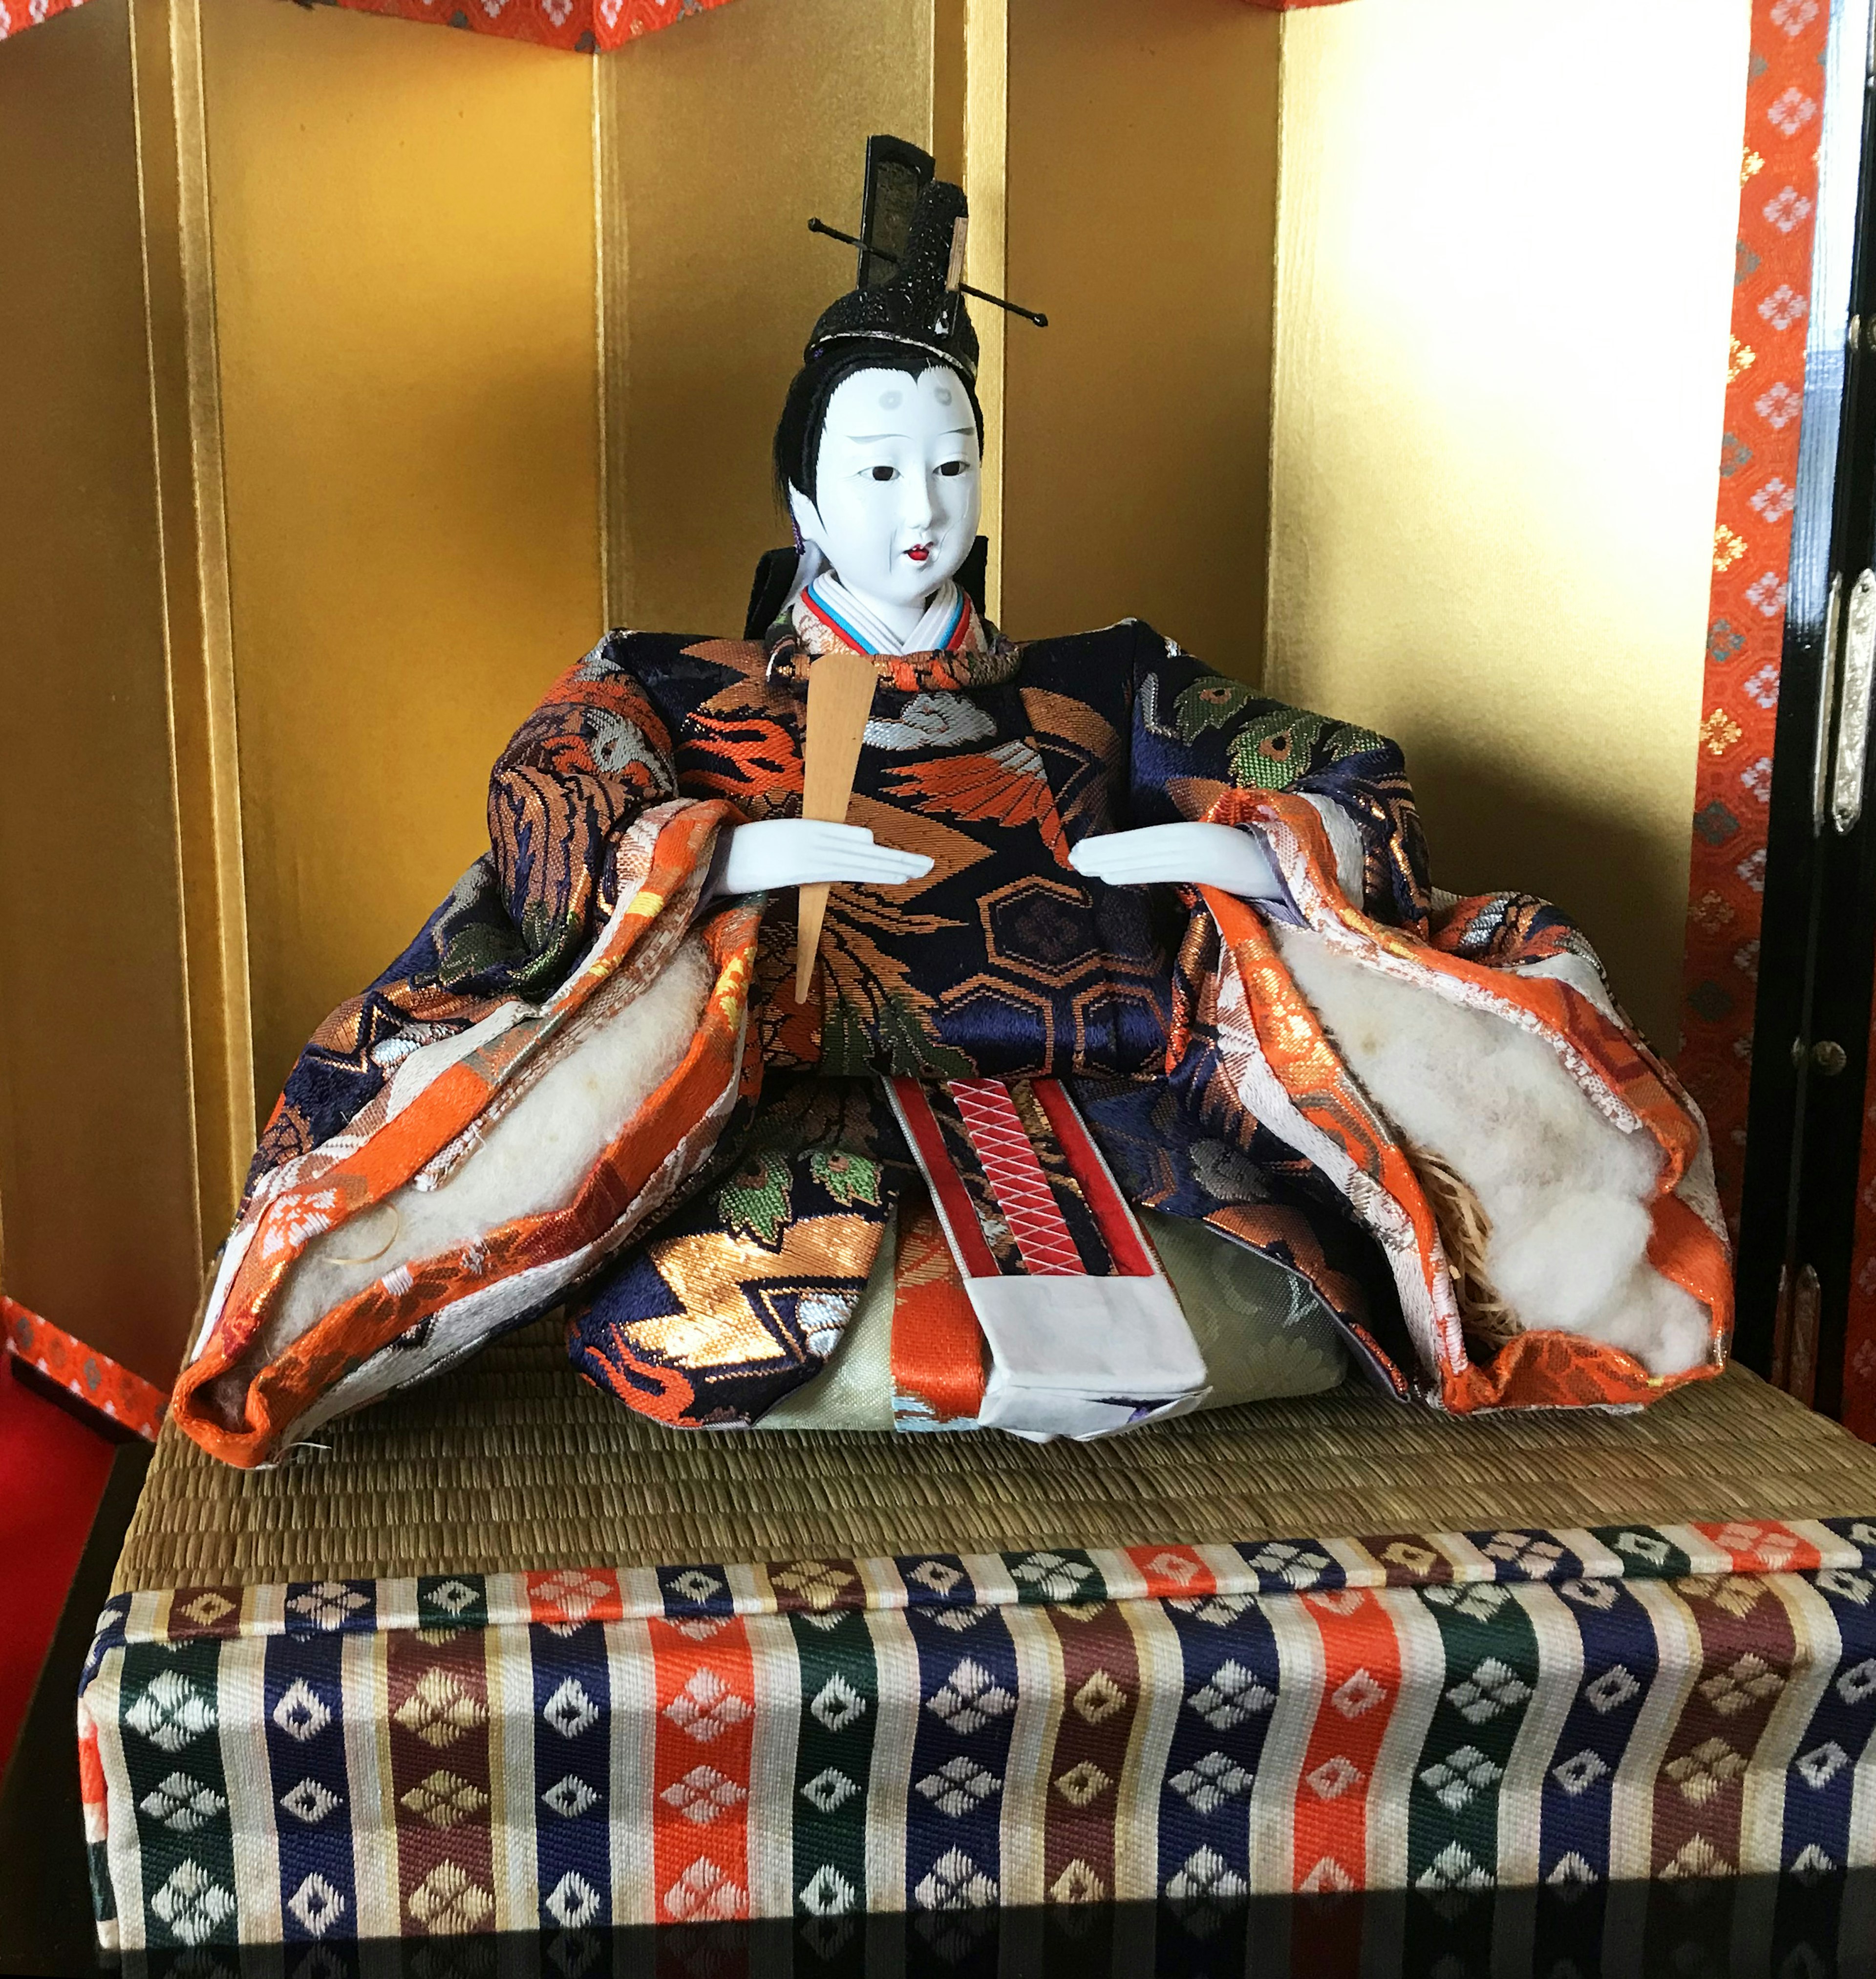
[839, 696]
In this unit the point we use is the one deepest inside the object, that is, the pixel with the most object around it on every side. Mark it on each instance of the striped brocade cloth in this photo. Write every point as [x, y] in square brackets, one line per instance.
[576, 1750]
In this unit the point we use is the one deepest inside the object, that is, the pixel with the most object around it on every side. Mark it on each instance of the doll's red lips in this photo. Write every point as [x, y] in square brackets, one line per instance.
[919, 552]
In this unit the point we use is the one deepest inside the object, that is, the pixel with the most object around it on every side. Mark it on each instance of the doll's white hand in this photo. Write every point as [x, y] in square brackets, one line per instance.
[800, 851]
[1197, 855]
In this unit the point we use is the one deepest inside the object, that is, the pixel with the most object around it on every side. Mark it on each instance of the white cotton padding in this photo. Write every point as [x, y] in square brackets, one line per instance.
[1565, 1189]
[531, 1160]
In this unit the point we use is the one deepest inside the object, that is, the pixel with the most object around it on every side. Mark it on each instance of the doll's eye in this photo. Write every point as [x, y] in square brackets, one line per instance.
[952, 467]
[886, 474]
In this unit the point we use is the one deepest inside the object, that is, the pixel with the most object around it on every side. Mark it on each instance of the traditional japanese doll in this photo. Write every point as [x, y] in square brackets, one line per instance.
[1133, 1022]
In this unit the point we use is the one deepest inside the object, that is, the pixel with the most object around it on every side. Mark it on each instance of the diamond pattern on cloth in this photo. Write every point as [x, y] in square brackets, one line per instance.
[707, 1708]
[970, 1700]
[182, 1803]
[703, 1794]
[827, 1716]
[441, 1800]
[192, 1903]
[1015, 1176]
[449, 1900]
[439, 1711]
[172, 1712]
[309, 1801]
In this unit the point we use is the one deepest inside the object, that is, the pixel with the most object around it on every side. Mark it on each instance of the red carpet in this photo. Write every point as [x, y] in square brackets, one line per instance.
[52, 1471]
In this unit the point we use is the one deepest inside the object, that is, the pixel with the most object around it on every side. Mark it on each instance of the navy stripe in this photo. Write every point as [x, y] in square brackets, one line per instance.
[1620, 1664]
[961, 1755]
[302, 1690]
[572, 1778]
[1230, 1678]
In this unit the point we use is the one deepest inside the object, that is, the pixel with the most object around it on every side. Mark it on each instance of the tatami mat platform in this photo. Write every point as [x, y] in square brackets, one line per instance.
[500, 1656]
[513, 1461]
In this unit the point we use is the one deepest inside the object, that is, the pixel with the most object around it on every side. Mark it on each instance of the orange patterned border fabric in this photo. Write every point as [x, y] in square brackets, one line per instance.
[17, 16]
[97, 1380]
[588, 26]
[1751, 558]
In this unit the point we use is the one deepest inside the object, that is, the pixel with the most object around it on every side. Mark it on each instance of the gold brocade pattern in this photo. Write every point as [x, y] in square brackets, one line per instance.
[728, 1286]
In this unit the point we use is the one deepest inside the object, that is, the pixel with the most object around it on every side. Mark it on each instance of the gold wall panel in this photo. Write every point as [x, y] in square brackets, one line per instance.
[718, 138]
[1502, 332]
[1141, 213]
[186, 401]
[405, 271]
[97, 1155]
[491, 350]
[986, 180]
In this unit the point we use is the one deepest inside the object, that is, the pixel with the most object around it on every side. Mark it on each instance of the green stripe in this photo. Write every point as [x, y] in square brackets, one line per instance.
[1491, 1675]
[1645, 1553]
[168, 1711]
[104, 1892]
[1052, 1575]
[833, 1759]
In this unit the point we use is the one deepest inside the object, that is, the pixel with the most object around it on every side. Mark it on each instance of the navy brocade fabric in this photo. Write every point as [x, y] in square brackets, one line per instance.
[1002, 961]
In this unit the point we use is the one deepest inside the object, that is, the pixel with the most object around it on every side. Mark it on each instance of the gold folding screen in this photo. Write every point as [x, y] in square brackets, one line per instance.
[405, 273]
[98, 1156]
[717, 140]
[1506, 263]
[357, 373]
[1141, 193]
[390, 366]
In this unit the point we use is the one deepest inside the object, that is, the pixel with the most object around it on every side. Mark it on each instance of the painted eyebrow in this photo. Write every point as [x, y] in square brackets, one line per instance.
[866, 440]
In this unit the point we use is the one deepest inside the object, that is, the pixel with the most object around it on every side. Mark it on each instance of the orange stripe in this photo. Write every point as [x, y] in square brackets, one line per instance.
[701, 1771]
[1361, 1685]
[1761, 1546]
[937, 1350]
[1172, 1573]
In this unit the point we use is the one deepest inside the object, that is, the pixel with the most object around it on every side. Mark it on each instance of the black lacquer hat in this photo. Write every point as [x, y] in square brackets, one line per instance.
[910, 290]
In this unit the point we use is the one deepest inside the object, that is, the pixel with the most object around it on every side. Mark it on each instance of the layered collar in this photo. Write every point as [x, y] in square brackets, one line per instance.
[828, 607]
[951, 647]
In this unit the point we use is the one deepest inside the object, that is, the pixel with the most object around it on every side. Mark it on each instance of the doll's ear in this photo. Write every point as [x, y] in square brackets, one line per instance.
[807, 523]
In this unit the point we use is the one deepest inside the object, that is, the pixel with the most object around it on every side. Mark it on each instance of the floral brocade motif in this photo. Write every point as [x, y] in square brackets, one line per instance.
[1002, 961]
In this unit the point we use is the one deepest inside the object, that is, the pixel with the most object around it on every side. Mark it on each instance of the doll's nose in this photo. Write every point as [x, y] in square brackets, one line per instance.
[918, 509]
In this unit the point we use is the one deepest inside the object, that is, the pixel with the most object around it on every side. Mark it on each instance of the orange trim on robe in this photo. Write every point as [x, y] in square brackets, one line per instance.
[381, 1156]
[1536, 1370]
[938, 1346]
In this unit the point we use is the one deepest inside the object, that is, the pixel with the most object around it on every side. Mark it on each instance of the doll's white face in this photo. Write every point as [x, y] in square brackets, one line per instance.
[897, 488]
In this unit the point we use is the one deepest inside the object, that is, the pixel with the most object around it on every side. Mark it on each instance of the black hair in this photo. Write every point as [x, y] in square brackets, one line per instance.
[804, 411]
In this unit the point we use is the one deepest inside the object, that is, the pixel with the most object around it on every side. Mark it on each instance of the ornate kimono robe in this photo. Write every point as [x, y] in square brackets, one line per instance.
[711, 1258]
